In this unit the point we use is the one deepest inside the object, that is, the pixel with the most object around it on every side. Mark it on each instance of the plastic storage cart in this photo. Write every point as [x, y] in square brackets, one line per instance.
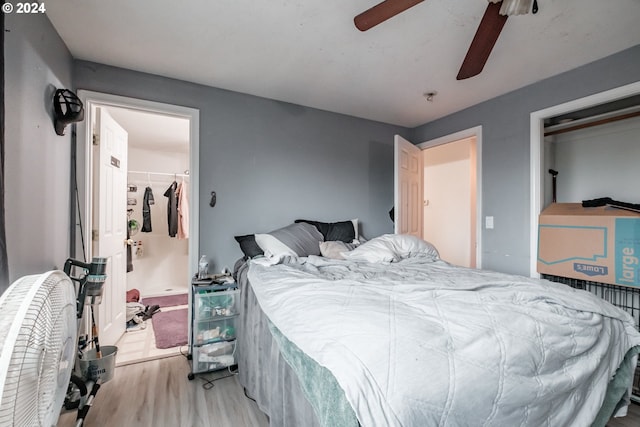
[214, 312]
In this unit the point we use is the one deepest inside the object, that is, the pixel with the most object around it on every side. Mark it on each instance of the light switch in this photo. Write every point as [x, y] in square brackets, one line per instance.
[488, 222]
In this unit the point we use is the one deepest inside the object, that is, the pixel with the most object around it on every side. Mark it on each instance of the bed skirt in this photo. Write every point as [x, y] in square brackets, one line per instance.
[263, 371]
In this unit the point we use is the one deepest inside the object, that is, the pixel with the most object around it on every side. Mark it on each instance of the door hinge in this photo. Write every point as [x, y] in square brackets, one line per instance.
[94, 235]
[96, 139]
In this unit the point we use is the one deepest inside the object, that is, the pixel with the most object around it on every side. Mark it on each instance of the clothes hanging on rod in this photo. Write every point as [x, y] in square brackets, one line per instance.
[172, 209]
[183, 210]
[177, 202]
[129, 255]
[148, 200]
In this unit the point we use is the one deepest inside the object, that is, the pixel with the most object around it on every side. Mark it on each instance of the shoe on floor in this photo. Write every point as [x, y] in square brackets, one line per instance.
[150, 311]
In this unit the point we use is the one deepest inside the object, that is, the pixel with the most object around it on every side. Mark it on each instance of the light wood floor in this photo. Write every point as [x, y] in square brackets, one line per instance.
[631, 420]
[157, 393]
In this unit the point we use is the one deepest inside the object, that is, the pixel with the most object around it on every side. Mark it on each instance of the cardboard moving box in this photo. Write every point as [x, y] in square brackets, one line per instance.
[599, 244]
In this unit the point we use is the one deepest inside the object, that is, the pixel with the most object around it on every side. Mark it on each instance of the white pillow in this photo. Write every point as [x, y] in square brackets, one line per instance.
[272, 246]
[355, 227]
[406, 246]
[372, 251]
[333, 249]
[392, 248]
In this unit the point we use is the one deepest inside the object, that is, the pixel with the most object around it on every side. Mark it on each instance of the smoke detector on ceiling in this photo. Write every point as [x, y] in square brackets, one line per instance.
[430, 95]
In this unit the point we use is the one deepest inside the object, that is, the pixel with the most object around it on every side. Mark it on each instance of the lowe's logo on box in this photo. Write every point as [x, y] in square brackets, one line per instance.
[591, 270]
[628, 251]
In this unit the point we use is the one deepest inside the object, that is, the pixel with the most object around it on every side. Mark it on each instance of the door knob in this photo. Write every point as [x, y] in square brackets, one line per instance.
[128, 242]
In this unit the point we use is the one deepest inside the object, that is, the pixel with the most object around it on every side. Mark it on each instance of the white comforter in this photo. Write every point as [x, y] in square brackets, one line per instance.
[422, 343]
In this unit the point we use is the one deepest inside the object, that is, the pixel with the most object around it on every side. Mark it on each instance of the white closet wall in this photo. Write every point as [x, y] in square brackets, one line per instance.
[601, 161]
[162, 266]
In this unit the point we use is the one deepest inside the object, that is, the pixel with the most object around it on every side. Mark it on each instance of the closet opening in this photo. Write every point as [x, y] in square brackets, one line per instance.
[596, 116]
[586, 150]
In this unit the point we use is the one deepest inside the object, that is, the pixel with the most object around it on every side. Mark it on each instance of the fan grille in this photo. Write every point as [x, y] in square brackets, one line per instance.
[38, 324]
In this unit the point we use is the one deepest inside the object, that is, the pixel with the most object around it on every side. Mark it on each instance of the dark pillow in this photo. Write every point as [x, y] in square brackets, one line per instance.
[342, 231]
[248, 246]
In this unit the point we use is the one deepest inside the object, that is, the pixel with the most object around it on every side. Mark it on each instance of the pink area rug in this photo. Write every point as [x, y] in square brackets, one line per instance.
[167, 300]
[170, 328]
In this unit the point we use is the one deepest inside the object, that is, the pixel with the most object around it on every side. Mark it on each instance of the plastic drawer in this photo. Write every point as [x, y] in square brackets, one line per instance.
[214, 330]
[211, 305]
[214, 356]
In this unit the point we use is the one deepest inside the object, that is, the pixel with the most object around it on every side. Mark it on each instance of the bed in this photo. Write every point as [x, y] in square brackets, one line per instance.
[389, 334]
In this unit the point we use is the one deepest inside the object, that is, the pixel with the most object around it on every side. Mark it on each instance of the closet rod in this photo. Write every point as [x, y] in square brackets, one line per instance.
[587, 122]
[161, 173]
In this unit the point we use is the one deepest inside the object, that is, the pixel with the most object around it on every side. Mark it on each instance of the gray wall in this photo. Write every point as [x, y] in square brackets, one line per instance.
[37, 161]
[505, 149]
[269, 162]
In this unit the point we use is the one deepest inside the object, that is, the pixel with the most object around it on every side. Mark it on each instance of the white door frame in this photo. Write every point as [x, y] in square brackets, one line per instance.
[463, 134]
[537, 174]
[92, 99]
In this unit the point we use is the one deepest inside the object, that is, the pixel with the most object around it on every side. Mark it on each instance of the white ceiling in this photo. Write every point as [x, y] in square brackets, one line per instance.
[153, 131]
[309, 52]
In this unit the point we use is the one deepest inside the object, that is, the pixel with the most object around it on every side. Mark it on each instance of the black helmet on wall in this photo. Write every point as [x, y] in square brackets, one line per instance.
[68, 109]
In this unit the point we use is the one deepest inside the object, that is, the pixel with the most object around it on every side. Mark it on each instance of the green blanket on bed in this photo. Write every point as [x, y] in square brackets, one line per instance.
[319, 385]
[618, 385]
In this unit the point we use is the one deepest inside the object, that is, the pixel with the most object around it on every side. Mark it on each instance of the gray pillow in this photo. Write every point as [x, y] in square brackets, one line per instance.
[300, 239]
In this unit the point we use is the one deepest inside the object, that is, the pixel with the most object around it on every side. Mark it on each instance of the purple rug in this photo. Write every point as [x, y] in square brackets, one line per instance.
[170, 328]
[167, 301]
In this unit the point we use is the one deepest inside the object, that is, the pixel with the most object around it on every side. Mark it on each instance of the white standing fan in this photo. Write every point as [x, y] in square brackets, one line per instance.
[38, 333]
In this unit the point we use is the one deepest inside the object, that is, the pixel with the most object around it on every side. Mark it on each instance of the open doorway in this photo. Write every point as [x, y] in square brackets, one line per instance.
[158, 160]
[450, 200]
[162, 154]
[425, 199]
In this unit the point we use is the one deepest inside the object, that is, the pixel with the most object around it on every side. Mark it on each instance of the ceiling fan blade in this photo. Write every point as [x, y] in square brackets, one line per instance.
[483, 42]
[381, 12]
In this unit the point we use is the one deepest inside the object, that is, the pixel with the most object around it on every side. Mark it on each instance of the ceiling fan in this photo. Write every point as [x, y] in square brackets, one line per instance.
[493, 20]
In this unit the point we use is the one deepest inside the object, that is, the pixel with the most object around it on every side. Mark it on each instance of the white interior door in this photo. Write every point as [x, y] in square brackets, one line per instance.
[408, 188]
[110, 222]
